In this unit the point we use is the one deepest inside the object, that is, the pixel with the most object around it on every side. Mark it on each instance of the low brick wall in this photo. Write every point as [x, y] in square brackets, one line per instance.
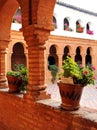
[18, 113]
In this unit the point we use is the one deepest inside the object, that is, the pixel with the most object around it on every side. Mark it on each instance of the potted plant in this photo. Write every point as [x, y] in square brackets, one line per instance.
[79, 29]
[71, 91]
[54, 70]
[18, 78]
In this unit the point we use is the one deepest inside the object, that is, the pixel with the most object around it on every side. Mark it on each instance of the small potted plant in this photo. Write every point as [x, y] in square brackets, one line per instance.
[54, 70]
[17, 78]
[71, 91]
[79, 29]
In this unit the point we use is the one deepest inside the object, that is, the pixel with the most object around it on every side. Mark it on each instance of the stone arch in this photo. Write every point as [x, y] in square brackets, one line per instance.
[88, 28]
[88, 58]
[7, 9]
[53, 58]
[7, 13]
[66, 52]
[78, 57]
[54, 22]
[67, 24]
[18, 56]
[36, 13]
[79, 27]
[36, 27]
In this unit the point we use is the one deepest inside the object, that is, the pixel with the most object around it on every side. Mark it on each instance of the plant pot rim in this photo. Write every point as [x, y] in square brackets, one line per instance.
[60, 82]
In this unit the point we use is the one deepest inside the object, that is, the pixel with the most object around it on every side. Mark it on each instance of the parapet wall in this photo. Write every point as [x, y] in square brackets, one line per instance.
[18, 113]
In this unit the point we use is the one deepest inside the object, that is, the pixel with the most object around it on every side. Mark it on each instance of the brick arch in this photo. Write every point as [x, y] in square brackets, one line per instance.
[22, 43]
[7, 9]
[91, 50]
[6, 13]
[78, 56]
[36, 13]
[36, 27]
[56, 46]
[18, 56]
[88, 57]
[53, 57]
[81, 48]
[66, 52]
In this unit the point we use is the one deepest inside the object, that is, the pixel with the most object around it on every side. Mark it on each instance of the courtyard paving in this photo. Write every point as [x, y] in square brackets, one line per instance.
[88, 99]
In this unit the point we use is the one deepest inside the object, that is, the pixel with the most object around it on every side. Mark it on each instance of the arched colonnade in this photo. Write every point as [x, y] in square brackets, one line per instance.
[36, 27]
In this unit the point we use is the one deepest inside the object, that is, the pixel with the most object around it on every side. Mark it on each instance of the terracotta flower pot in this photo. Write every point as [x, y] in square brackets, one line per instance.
[70, 95]
[14, 83]
[80, 30]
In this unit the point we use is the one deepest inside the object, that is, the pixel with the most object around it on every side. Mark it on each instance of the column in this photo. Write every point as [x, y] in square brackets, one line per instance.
[36, 64]
[73, 56]
[3, 64]
[60, 61]
[83, 60]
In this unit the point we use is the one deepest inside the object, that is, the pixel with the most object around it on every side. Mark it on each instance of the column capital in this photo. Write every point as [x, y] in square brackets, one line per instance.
[36, 33]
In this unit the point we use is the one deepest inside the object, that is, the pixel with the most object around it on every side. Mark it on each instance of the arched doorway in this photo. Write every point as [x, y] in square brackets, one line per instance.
[54, 22]
[18, 56]
[66, 52]
[78, 57]
[88, 57]
[53, 58]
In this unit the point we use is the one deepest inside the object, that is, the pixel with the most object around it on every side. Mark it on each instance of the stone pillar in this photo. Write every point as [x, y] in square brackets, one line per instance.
[36, 64]
[60, 61]
[36, 72]
[3, 64]
[47, 72]
[83, 59]
[73, 56]
[93, 60]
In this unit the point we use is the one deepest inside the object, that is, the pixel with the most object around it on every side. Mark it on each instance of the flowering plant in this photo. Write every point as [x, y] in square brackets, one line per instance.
[79, 28]
[67, 28]
[90, 32]
[79, 74]
[87, 75]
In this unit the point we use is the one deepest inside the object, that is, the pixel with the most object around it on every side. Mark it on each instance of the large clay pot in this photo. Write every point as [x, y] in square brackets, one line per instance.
[14, 84]
[70, 95]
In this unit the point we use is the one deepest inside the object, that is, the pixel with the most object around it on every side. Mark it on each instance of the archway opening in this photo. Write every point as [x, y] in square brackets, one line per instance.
[88, 57]
[66, 53]
[18, 56]
[78, 57]
[53, 58]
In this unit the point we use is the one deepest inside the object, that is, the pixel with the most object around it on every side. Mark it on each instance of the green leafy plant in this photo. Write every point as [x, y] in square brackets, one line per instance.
[20, 71]
[13, 73]
[54, 70]
[79, 74]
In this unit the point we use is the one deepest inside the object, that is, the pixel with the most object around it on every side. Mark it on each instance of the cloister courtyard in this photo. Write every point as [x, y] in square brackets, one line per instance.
[36, 45]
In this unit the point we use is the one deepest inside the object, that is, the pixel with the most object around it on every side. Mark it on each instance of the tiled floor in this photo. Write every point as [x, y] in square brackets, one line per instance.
[88, 99]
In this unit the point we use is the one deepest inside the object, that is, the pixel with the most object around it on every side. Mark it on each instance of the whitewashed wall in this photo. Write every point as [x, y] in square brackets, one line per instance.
[61, 12]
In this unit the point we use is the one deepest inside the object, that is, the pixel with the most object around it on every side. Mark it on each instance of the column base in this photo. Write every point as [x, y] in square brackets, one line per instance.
[37, 93]
[3, 83]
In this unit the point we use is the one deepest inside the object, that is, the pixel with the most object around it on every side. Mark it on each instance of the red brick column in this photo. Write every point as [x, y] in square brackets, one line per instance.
[36, 66]
[3, 80]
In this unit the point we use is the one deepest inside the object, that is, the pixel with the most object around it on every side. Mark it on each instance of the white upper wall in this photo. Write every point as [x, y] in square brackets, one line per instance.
[61, 12]
[16, 26]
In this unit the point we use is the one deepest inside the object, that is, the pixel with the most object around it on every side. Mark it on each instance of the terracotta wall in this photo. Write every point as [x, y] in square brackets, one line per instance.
[16, 37]
[17, 113]
[60, 42]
